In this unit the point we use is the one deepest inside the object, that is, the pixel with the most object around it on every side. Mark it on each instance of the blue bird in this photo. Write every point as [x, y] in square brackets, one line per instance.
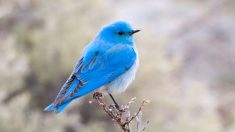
[107, 64]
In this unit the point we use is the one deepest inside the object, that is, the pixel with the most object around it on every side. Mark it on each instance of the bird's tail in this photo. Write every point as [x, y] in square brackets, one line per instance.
[71, 83]
[57, 109]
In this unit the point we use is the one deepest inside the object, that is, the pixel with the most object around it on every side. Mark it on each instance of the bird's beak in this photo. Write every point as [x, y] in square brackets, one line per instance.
[134, 31]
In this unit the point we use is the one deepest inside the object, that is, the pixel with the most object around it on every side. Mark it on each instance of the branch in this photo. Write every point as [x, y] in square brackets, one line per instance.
[123, 115]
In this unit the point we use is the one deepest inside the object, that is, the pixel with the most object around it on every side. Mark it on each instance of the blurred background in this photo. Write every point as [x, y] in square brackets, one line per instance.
[187, 65]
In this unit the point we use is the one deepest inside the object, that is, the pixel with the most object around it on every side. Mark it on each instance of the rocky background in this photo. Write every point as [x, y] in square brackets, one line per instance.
[186, 48]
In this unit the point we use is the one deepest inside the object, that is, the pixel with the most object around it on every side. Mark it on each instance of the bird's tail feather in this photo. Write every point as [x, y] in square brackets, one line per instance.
[50, 107]
[57, 109]
[63, 105]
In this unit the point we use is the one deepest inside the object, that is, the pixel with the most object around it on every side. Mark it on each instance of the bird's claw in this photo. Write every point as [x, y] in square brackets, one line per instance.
[97, 95]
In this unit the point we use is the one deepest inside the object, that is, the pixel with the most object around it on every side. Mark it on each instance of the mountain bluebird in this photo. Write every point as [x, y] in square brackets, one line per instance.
[108, 64]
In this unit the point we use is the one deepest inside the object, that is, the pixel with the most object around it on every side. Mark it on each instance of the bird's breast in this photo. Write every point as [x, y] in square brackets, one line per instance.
[121, 83]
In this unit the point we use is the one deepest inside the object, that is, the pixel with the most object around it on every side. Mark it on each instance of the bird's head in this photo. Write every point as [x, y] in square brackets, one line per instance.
[118, 32]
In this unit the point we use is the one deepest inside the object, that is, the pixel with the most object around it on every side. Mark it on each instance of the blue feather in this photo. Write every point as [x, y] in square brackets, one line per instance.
[50, 107]
[62, 106]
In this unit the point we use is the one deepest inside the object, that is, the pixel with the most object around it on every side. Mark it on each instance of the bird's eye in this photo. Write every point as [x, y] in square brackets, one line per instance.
[120, 33]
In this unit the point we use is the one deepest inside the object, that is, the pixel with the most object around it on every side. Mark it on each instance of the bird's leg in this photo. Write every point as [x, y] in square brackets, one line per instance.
[114, 101]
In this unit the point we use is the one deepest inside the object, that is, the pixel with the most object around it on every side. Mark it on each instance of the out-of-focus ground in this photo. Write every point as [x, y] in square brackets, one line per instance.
[187, 65]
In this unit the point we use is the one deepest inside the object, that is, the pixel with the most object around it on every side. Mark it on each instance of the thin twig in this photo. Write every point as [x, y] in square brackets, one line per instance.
[121, 116]
[140, 108]
[145, 126]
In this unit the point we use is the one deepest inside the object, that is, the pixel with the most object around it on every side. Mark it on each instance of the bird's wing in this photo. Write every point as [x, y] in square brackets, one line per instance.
[96, 69]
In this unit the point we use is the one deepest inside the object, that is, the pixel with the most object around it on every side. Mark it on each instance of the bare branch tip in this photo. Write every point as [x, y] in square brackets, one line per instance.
[122, 115]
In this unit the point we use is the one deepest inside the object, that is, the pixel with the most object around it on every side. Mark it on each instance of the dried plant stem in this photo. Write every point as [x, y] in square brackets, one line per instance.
[122, 115]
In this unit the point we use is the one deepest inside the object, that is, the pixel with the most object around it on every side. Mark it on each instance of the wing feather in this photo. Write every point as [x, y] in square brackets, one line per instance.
[97, 70]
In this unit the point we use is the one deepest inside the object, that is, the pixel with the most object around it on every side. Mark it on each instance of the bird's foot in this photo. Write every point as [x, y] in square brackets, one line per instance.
[97, 95]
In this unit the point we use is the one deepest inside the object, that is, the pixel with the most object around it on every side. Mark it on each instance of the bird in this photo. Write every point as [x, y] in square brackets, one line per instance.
[107, 64]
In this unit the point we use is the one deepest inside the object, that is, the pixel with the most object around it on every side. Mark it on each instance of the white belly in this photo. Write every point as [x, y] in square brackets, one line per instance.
[122, 82]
